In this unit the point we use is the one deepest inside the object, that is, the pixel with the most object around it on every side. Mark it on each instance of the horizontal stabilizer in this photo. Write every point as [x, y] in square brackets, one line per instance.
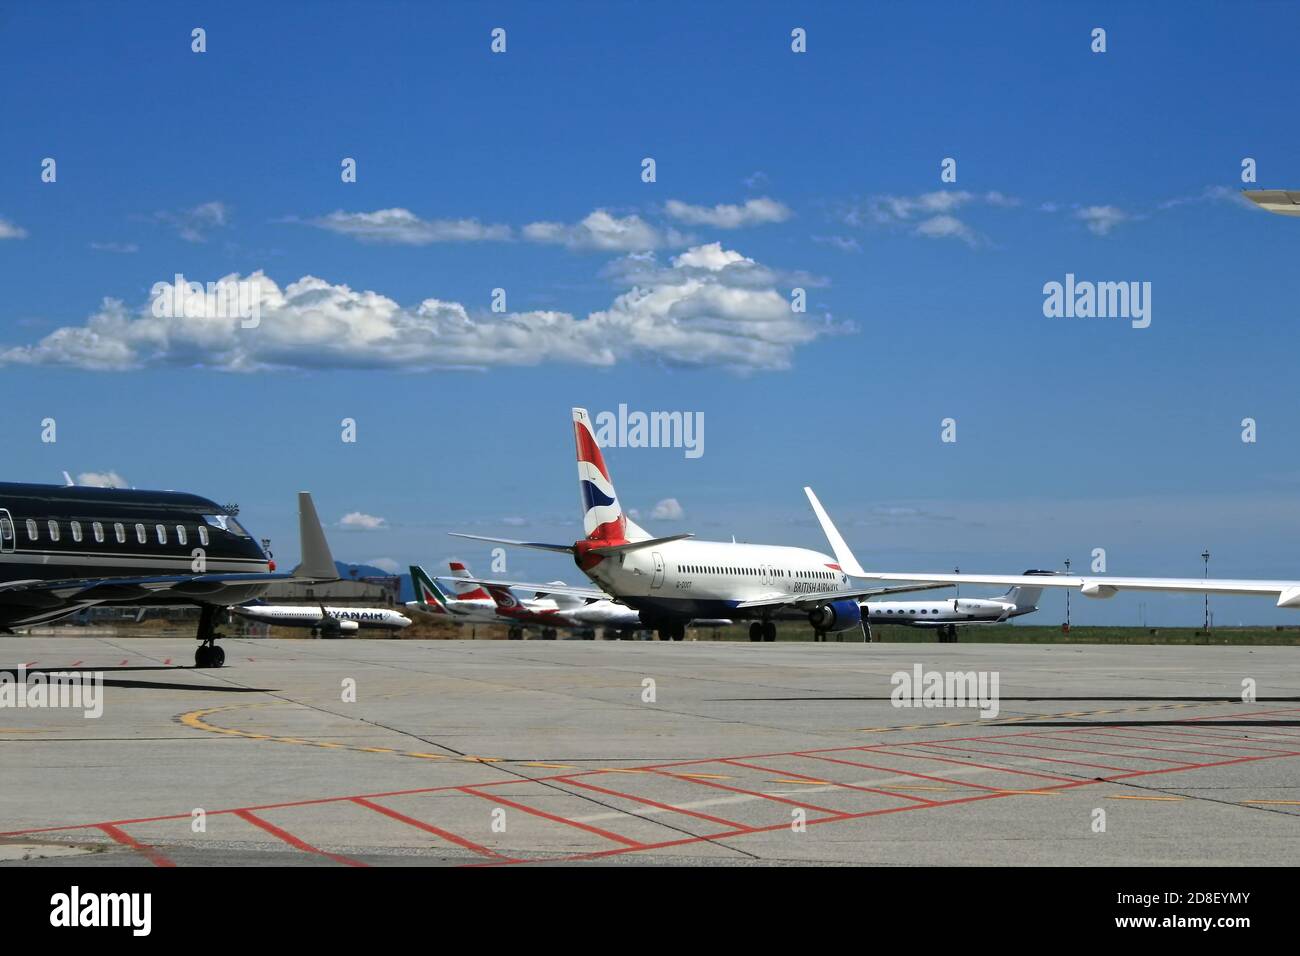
[539, 545]
[626, 546]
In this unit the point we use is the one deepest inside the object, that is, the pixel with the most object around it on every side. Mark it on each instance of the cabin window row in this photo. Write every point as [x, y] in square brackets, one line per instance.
[756, 572]
[121, 532]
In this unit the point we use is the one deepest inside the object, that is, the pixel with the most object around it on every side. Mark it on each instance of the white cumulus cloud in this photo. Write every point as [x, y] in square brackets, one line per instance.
[10, 230]
[101, 479]
[670, 509]
[604, 232]
[403, 227]
[360, 521]
[710, 307]
[754, 212]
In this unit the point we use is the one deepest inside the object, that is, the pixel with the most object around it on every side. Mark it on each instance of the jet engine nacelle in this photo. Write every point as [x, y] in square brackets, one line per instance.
[836, 616]
[334, 627]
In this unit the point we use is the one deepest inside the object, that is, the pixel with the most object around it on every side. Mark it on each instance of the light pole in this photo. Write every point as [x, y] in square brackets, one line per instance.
[1205, 556]
[1067, 597]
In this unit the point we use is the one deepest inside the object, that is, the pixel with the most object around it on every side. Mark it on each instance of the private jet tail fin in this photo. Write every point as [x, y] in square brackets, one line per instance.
[1024, 598]
[843, 555]
[317, 562]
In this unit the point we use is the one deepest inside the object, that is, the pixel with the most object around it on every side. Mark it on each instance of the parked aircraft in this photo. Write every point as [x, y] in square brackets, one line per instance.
[675, 579]
[324, 621]
[65, 548]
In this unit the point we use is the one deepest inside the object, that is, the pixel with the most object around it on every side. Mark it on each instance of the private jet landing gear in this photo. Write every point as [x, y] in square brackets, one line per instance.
[208, 654]
[948, 634]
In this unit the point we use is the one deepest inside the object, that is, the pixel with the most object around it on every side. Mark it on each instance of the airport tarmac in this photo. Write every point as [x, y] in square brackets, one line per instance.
[511, 753]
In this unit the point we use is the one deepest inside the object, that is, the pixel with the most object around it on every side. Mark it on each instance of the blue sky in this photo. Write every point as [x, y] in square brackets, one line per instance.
[522, 171]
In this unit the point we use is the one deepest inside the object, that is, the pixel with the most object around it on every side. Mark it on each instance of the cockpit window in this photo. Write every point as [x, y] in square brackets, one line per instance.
[226, 523]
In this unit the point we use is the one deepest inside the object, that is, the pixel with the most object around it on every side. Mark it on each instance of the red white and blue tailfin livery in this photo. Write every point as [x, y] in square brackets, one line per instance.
[602, 515]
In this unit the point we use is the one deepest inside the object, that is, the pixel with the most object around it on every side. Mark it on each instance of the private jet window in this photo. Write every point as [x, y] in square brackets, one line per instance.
[161, 531]
[180, 535]
[203, 536]
[32, 532]
[98, 529]
[76, 531]
[141, 535]
[54, 530]
[119, 532]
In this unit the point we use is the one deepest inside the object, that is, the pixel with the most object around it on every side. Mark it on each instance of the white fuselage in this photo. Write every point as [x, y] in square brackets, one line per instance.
[947, 611]
[309, 615]
[685, 579]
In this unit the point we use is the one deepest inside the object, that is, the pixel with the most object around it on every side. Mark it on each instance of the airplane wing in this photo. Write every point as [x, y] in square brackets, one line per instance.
[317, 565]
[1102, 586]
[573, 590]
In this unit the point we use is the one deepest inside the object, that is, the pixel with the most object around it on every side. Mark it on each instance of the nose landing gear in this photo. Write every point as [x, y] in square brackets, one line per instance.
[208, 653]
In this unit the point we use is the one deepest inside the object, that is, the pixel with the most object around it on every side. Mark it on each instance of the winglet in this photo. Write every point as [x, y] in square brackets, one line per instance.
[317, 562]
[842, 553]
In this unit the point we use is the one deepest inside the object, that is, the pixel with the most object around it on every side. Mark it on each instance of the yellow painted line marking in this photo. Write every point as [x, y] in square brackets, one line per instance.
[705, 776]
[480, 759]
[414, 753]
[1275, 803]
[807, 783]
[1122, 796]
[551, 766]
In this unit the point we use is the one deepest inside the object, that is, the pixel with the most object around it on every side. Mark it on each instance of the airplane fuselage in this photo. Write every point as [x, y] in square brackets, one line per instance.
[308, 615]
[709, 579]
[56, 533]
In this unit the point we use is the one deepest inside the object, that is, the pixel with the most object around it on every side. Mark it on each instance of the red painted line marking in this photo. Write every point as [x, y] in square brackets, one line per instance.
[1095, 753]
[906, 773]
[1181, 737]
[292, 840]
[752, 793]
[553, 817]
[166, 662]
[730, 824]
[429, 828]
[1004, 753]
[972, 763]
[124, 838]
[30, 664]
[74, 663]
[122, 663]
[847, 786]
[1173, 750]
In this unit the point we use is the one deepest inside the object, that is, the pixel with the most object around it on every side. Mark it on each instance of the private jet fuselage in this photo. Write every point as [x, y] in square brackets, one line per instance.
[80, 535]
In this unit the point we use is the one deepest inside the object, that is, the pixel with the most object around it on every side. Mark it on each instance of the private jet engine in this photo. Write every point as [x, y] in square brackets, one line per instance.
[332, 627]
[835, 616]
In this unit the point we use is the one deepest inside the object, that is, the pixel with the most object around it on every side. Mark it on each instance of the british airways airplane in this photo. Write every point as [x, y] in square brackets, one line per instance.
[673, 580]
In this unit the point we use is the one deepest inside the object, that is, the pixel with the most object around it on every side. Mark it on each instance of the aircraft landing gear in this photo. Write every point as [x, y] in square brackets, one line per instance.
[515, 634]
[548, 634]
[672, 632]
[769, 631]
[756, 631]
[948, 634]
[208, 654]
